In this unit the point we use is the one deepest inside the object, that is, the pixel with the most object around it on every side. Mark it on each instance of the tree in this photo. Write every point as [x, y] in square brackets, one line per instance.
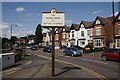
[4, 43]
[13, 39]
[38, 35]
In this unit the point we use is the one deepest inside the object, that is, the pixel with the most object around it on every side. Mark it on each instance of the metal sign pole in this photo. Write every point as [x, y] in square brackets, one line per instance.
[53, 53]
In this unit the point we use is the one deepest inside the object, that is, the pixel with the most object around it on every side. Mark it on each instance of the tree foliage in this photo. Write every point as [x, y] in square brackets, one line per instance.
[38, 35]
[13, 39]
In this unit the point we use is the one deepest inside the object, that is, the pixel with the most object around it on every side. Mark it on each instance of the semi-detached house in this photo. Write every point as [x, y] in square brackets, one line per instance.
[84, 33]
[102, 33]
[117, 31]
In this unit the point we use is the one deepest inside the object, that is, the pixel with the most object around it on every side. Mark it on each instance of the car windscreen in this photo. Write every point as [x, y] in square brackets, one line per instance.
[74, 49]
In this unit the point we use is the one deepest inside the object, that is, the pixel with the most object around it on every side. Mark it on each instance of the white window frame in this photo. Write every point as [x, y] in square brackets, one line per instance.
[118, 43]
[119, 29]
[56, 37]
[98, 31]
[89, 32]
[81, 42]
[97, 43]
[73, 34]
[83, 34]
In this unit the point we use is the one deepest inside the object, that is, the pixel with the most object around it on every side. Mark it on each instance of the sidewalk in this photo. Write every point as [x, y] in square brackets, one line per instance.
[63, 71]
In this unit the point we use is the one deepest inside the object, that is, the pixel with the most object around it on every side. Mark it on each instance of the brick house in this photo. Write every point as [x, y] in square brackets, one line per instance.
[117, 30]
[64, 36]
[102, 32]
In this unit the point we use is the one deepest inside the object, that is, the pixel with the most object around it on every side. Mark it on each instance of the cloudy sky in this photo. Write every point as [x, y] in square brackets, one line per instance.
[27, 15]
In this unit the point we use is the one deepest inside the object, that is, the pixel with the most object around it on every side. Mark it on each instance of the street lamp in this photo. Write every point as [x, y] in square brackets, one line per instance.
[11, 29]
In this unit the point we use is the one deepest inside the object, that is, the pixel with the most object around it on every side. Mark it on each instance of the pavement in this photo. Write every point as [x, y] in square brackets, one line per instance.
[34, 66]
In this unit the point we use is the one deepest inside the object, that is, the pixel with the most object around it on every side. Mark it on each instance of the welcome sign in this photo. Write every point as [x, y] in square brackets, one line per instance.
[53, 18]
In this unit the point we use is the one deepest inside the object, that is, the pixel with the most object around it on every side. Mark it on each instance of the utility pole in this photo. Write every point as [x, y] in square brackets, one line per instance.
[113, 22]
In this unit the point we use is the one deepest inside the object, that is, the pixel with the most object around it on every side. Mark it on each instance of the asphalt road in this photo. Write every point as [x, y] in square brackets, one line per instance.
[109, 69]
[89, 64]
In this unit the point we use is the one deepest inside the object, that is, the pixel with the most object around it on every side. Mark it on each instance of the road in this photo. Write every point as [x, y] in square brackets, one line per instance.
[89, 63]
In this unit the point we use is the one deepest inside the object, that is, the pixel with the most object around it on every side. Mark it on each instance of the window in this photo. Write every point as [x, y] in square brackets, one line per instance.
[72, 42]
[117, 42]
[119, 29]
[68, 35]
[63, 35]
[56, 37]
[98, 31]
[72, 34]
[97, 43]
[88, 32]
[81, 42]
[82, 33]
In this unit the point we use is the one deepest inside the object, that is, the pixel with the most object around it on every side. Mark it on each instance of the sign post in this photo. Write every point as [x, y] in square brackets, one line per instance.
[53, 20]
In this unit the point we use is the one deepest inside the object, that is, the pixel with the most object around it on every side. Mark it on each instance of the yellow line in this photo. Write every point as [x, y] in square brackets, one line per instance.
[86, 69]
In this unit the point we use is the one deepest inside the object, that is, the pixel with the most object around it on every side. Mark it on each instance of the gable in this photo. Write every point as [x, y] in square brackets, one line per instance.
[119, 17]
[97, 22]
[82, 26]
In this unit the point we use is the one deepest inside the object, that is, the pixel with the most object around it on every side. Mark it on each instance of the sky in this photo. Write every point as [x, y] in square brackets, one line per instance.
[27, 15]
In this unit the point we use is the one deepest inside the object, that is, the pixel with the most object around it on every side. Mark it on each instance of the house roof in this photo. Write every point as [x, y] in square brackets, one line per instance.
[116, 18]
[67, 29]
[86, 24]
[101, 19]
[74, 26]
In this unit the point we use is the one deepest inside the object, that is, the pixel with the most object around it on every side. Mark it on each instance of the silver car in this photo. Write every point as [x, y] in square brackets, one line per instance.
[72, 51]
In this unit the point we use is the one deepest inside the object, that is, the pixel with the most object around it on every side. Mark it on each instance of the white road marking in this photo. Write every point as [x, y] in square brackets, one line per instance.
[10, 71]
[29, 62]
[94, 61]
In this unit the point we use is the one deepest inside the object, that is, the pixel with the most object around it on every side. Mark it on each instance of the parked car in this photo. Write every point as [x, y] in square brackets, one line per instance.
[111, 54]
[29, 46]
[78, 47]
[63, 47]
[72, 51]
[34, 48]
[47, 49]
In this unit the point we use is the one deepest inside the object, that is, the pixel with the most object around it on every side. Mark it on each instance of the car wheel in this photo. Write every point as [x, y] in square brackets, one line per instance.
[104, 58]
[72, 55]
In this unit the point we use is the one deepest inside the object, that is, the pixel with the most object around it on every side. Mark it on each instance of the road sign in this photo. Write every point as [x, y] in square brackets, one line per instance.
[53, 18]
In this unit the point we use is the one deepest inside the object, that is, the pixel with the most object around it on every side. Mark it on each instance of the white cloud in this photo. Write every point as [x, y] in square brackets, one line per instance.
[115, 13]
[22, 33]
[96, 12]
[4, 25]
[20, 9]
[68, 21]
[29, 14]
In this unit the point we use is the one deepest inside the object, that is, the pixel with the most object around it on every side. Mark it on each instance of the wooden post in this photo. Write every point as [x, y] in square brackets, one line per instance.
[53, 52]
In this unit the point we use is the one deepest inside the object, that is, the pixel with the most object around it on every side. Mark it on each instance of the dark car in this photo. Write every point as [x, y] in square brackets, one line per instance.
[72, 51]
[111, 54]
[78, 47]
[47, 49]
[34, 48]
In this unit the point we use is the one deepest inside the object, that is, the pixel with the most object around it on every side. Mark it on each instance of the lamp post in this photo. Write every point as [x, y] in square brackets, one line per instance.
[12, 29]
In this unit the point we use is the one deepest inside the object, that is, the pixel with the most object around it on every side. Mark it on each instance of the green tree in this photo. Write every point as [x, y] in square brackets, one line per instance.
[38, 35]
[13, 39]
